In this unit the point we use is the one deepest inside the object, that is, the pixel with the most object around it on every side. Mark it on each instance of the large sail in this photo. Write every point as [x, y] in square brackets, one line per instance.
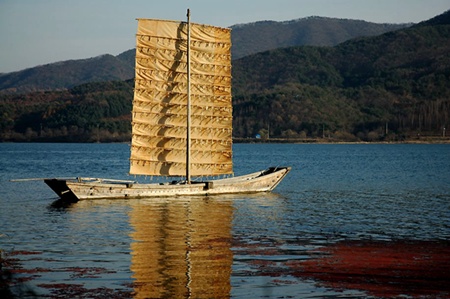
[159, 118]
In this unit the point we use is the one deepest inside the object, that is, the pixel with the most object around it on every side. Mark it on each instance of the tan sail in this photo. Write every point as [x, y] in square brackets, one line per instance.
[160, 100]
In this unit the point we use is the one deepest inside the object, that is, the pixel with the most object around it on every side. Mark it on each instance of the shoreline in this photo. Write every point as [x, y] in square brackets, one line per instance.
[306, 140]
[256, 141]
[427, 140]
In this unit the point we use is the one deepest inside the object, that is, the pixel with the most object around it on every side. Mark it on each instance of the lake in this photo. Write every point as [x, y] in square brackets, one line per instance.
[349, 221]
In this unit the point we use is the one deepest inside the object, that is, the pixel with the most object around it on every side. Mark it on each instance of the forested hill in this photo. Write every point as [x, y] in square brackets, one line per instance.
[399, 80]
[90, 112]
[394, 86]
[69, 73]
[247, 39]
[313, 31]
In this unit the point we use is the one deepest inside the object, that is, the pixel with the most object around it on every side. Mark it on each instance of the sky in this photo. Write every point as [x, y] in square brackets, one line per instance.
[37, 32]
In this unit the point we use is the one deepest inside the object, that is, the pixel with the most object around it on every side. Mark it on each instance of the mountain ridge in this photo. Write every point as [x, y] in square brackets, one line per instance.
[69, 73]
[315, 31]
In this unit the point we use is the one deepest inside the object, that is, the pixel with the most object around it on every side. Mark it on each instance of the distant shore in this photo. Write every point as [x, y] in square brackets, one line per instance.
[307, 140]
[422, 140]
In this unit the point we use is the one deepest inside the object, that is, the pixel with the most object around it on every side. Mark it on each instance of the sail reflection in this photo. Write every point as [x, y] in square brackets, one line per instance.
[182, 249]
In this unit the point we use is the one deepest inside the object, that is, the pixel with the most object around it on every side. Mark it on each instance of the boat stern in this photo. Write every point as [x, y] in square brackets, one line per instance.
[60, 187]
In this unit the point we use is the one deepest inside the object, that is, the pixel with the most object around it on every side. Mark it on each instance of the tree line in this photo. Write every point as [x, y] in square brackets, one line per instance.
[92, 112]
[395, 86]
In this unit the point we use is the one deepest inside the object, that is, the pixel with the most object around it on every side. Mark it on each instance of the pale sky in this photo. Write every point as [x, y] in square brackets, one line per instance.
[36, 32]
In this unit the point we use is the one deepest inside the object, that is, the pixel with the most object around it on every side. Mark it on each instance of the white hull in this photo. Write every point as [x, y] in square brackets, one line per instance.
[81, 189]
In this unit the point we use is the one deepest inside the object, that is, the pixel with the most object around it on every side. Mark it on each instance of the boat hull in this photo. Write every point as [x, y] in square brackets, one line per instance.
[72, 190]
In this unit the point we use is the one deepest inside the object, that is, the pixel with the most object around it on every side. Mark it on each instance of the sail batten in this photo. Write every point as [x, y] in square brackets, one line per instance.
[159, 125]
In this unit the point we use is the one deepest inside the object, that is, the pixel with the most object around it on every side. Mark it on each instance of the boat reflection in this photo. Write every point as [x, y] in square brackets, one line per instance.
[182, 248]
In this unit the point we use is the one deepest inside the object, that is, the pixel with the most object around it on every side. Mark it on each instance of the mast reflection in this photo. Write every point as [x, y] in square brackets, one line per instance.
[182, 249]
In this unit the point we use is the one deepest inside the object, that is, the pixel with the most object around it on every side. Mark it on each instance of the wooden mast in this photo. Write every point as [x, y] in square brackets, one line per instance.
[188, 108]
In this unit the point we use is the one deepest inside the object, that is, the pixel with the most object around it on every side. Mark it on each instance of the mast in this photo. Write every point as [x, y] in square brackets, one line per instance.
[188, 108]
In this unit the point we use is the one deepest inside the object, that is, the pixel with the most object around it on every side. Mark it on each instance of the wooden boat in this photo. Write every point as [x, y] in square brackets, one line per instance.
[181, 119]
[92, 188]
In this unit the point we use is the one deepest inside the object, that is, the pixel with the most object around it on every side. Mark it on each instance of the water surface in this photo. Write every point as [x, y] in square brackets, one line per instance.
[225, 246]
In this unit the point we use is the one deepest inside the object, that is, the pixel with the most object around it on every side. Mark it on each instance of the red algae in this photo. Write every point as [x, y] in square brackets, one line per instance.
[64, 290]
[23, 252]
[382, 269]
[87, 272]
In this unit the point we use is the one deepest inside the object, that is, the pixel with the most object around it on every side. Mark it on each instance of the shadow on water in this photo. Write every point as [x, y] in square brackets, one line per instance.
[60, 205]
[10, 287]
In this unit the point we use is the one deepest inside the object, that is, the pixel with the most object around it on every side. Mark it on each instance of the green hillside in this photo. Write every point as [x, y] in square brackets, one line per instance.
[90, 112]
[394, 86]
[399, 80]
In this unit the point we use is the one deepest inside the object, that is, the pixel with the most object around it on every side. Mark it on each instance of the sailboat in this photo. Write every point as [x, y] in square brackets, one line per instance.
[181, 119]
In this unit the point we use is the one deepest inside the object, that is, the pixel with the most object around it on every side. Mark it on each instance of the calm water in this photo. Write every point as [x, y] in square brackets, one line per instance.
[215, 247]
